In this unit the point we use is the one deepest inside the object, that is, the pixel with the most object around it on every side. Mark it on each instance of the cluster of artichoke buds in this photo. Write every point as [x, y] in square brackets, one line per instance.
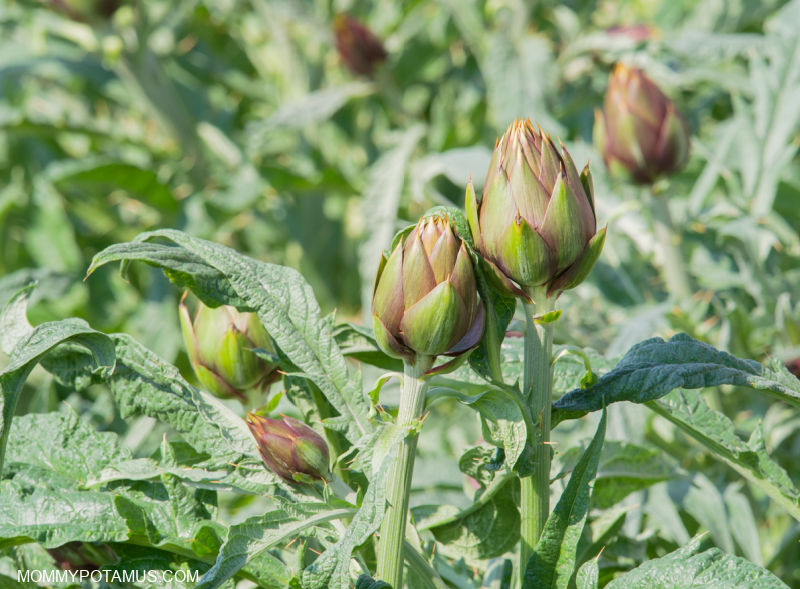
[425, 299]
[290, 448]
[639, 131]
[361, 51]
[221, 343]
[535, 224]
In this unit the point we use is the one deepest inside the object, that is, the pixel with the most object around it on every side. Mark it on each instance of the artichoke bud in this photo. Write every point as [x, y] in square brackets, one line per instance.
[639, 132]
[87, 10]
[535, 223]
[360, 50]
[83, 556]
[425, 299]
[290, 448]
[220, 343]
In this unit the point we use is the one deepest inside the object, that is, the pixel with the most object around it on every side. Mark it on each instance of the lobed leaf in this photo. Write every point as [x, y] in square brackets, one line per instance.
[552, 563]
[654, 367]
[280, 296]
[32, 346]
[684, 568]
[716, 432]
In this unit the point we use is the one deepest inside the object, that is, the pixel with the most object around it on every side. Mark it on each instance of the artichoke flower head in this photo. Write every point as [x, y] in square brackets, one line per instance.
[639, 132]
[425, 299]
[535, 223]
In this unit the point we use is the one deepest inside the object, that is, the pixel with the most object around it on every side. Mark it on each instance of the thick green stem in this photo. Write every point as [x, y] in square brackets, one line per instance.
[537, 388]
[398, 486]
[675, 273]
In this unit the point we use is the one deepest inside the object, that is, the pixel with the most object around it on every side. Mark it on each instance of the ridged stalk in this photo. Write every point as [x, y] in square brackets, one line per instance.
[675, 273]
[398, 486]
[537, 387]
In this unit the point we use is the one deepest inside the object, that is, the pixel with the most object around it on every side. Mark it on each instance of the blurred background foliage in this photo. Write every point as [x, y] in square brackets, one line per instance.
[240, 122]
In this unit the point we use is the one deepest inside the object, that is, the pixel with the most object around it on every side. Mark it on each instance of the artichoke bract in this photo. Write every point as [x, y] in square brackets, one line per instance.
[290, 448]
[535, 223]
[220, 344]
[425, 299]
[639, 132]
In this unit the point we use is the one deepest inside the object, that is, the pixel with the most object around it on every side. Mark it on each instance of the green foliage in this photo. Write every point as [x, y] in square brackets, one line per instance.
[686, 568]
[553, 562]
[228, 146]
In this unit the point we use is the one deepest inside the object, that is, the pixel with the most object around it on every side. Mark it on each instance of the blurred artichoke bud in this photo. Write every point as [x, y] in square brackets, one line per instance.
[87, 10]
[83, 556]
[425, 299]
[360, 50]
[535, 224]
[639, 131]
[220, 345]
[290, 448]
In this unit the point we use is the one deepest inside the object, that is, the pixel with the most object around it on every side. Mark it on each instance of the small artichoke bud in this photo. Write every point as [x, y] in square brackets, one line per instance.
[360, 50]
[87, 10]
[535, 224]
[290, 448]
[220, 344]
[639, 131]
[425, 299]
[83, 556]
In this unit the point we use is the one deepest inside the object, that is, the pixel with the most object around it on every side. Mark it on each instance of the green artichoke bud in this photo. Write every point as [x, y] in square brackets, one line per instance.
[535, 224]
[639, 131]
[425, 299]
[361, 51]
[290, 448]
[220, 344]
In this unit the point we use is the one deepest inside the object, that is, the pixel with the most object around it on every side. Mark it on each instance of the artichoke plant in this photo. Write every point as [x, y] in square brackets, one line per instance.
[535, 223]
[290, 448]
[639, 131]
[220, 344]
[425, 299]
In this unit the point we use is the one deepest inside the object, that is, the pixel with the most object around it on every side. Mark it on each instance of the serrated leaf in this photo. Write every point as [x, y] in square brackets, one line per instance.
[502, 421]
[716, 432]
[62, 449]
[55, 517]
[280, 296]
[249, 539]
[654, 367]
[144, 384]
[359, 342]
[684, 568]
[486, 529]
[552, 563]
[37, 343]
[332, 569]
[623, 469]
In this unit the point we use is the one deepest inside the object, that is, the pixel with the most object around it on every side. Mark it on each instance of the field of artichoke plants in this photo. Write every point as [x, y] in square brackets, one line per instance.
[431, 295]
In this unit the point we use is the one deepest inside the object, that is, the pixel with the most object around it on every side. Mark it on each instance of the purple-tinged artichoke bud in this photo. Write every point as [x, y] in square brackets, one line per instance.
[425, 299]
[220, 344]
[535, 224]
[360, 50]
[83, 556]
[290, 448]
[87, 10]
[639, 131]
